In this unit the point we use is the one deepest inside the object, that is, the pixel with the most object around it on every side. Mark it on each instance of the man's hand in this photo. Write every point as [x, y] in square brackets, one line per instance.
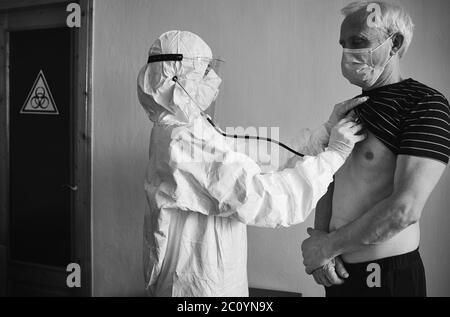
[332, 273]
[341, 110]
[315, 250]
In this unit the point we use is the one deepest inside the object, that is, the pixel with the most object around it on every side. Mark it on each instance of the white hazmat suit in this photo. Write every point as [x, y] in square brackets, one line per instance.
[195, 238]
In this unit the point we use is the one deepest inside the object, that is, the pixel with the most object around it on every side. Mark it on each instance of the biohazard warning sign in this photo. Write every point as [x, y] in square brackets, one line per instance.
[40, 99]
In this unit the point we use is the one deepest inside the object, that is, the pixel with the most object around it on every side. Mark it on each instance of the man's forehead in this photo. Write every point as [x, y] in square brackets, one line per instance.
[356, 24]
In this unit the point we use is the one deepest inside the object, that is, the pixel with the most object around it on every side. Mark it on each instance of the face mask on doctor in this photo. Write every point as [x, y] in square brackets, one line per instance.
[359, 68]
[182, 86]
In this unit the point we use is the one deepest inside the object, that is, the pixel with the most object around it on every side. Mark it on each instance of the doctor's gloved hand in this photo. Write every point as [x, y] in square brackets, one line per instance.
[344, 136]
[341, 110]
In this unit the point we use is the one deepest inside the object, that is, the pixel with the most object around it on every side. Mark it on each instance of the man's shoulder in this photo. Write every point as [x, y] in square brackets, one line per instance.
[426, 125]
[425, 91]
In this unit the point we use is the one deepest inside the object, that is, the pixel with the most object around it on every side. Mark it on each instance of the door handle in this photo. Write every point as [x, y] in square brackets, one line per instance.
[72, 188]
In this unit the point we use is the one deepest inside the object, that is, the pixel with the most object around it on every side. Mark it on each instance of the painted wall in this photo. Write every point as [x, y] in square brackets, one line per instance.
[282, 70]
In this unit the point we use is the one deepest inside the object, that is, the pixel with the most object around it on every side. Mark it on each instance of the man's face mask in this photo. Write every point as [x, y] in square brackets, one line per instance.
[358, 66]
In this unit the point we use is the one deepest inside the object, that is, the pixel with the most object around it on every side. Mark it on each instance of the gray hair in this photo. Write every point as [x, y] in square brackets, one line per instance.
[394, 19]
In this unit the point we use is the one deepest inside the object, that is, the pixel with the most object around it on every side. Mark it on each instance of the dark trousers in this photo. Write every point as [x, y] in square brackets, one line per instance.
[398, 276]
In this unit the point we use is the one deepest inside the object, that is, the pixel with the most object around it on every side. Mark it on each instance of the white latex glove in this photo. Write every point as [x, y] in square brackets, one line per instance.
[344, 136]
[341, 110]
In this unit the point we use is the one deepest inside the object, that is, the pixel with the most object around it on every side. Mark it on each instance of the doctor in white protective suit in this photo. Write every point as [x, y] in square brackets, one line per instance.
[199, 206]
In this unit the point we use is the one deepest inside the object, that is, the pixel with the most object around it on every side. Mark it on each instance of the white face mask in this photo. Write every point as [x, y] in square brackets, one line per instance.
[358, 67]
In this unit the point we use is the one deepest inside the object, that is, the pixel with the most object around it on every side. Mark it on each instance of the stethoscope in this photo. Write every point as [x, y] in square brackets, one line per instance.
[236, 136]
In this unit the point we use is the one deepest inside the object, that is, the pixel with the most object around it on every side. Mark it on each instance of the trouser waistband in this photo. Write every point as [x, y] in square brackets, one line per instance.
[389, 263]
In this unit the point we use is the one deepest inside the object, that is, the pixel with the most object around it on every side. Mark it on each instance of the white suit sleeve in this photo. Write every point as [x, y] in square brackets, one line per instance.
[230, 184]
[309, 143]
[312, 142]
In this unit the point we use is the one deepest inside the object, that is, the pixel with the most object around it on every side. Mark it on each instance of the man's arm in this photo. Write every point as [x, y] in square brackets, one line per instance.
[415, 178]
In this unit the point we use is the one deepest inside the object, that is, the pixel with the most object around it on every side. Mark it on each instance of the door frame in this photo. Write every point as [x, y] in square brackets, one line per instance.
[82, 106]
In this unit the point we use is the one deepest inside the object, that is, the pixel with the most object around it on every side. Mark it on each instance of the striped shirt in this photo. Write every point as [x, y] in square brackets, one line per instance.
[409, 118]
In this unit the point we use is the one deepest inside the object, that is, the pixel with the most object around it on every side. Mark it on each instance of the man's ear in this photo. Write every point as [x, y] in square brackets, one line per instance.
[397, 39]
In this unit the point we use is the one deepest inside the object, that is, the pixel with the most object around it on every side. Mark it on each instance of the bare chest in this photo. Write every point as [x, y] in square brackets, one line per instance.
[371, 161]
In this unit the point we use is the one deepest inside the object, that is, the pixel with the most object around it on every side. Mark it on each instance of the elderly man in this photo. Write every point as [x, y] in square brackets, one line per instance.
[366, 236]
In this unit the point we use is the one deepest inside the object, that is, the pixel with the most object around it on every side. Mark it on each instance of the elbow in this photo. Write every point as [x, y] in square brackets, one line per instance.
[405, 215]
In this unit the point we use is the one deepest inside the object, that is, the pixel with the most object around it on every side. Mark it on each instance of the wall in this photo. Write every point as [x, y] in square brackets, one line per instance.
[282, 70]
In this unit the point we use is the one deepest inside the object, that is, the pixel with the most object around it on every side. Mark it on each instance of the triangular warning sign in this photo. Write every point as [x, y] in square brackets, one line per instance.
[40, 99]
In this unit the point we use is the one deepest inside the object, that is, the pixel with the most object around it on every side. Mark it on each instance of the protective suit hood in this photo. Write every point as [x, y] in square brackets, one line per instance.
[167, 101]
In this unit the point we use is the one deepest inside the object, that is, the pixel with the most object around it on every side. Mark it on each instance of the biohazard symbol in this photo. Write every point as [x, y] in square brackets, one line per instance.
[40, 99]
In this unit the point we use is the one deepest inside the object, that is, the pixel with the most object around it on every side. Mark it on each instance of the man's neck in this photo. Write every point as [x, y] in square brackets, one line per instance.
[390, 76]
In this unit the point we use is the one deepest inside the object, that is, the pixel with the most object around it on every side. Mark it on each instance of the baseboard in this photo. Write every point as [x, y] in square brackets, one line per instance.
[259, 292]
